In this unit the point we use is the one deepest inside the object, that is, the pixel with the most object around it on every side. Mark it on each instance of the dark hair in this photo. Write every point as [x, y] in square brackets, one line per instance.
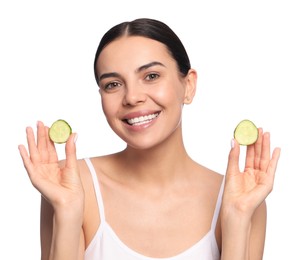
[152, 29]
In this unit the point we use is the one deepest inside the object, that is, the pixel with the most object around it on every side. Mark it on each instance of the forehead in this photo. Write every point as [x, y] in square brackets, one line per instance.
[133, 51]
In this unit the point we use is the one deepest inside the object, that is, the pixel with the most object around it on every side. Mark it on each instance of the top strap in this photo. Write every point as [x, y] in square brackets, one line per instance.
[96, 185]
[218, 205]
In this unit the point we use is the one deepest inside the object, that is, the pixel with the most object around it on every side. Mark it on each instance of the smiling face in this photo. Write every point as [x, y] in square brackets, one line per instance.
[142, 90]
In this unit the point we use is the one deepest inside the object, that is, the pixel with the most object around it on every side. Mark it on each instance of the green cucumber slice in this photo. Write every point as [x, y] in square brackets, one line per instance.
[246, 133]
[60, 131]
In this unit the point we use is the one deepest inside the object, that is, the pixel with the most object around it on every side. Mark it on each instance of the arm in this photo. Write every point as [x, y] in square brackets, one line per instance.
[53, 237]
[248, 240]
[62, 195]
[243, 214]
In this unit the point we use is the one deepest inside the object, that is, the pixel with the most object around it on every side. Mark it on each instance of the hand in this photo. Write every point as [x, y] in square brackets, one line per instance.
[245, 191]
[60, 185]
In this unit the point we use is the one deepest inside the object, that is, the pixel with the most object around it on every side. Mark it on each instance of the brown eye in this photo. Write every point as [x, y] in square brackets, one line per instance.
[152, 76]
[111, 85]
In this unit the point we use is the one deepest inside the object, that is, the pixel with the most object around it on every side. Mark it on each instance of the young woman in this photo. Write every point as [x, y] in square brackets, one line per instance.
[151, 200]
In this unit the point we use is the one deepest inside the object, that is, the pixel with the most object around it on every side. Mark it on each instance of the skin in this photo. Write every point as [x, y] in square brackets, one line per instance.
[139, 77]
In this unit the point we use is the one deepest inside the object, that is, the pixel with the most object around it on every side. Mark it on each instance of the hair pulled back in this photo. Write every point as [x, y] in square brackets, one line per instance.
[152, 29]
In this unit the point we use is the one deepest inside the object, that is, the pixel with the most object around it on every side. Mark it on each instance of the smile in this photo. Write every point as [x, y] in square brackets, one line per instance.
[141, 119]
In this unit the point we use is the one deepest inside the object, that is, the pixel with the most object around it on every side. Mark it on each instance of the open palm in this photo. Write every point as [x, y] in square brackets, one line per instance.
[59, 184]
[246, 190]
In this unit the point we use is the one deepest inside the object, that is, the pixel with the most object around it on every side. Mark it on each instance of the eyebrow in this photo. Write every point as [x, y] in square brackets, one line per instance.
[109, 75]
[141, 68]
[151, 64]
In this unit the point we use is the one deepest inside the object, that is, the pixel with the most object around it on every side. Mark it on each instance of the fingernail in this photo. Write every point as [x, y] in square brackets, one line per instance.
[75, 138]
[232, 144]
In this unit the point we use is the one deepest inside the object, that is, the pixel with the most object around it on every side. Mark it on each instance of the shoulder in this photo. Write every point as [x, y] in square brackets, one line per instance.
[259, 218]
[87, 164]
[208, 177]
[258, 231]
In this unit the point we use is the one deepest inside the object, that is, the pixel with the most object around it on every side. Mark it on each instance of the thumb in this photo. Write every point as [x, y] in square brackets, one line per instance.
[233, 158]
[70, 151]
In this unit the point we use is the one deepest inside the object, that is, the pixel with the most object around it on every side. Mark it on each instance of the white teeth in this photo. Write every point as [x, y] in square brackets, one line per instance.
[142, 119]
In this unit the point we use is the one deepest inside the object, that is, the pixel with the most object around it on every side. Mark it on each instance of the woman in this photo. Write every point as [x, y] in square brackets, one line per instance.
[151, 200]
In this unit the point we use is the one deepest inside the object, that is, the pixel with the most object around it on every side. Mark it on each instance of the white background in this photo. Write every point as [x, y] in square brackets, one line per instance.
[245, 52]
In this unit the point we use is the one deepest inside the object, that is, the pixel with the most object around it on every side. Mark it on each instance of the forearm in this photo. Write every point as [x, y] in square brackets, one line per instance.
[66, 236]
[235, 237]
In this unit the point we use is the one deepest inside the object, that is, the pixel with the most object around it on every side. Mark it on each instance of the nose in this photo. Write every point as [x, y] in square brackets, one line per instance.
[134, 95]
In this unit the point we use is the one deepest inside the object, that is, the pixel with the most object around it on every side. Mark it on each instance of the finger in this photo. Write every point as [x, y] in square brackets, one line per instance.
[42, 141]
[273, 162]
[258, 149]
[265, 156]
[249, 163]
[70, 152]
[233, 159]
[33, 151]
[52, 154]
[26, 159]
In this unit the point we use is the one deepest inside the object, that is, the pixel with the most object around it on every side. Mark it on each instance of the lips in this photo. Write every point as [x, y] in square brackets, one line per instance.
[140, 120]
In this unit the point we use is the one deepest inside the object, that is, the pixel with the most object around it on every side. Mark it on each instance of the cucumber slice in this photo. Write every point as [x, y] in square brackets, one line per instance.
[246, 133]
[60, 131]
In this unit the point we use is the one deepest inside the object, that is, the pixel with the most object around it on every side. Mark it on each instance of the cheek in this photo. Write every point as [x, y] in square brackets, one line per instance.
[108, 107]
[170, 94]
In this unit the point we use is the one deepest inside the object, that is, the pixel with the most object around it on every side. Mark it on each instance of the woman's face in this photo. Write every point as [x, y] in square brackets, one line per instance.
[141, 89]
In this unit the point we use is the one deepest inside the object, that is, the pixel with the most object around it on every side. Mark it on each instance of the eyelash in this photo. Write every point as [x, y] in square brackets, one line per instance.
[111, 85]
[152, 76]
[115, 84]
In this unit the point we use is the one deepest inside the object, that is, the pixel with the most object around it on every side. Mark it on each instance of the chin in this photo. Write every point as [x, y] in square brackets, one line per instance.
[141, 145]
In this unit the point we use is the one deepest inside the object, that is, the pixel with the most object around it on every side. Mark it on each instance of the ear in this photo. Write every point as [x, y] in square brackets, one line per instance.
[190, 87]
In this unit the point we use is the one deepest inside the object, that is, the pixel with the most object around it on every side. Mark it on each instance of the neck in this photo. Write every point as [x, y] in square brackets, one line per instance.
[159, 164]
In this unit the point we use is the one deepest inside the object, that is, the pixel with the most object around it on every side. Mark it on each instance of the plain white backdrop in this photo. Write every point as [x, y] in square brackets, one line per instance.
[247, 57]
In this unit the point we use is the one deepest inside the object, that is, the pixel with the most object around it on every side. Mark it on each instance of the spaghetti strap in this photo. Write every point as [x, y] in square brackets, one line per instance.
[218, 205]
[96, 185]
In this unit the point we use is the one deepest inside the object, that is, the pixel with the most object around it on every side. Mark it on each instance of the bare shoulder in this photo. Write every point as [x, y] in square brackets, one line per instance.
[91, 220]
[96, 163]
[210, 183]
[209, 178]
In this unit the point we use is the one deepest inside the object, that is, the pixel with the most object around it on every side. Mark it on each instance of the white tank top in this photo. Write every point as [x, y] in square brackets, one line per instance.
[106, 245]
